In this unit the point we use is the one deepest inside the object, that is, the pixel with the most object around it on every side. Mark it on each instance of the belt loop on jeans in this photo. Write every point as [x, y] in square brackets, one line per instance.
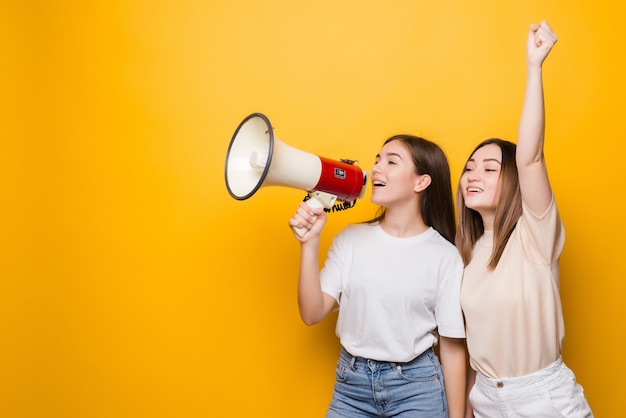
[352, 361]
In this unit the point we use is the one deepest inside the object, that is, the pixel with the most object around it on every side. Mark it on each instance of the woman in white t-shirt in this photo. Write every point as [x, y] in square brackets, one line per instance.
[396, 282]
[510, 236]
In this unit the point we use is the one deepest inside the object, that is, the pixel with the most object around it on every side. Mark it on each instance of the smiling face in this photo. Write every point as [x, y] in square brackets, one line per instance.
[480, 181]
[394, 180]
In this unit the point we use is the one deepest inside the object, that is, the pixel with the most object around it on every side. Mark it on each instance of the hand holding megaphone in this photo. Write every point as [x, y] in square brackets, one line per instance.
[256, 158]
[308, 221]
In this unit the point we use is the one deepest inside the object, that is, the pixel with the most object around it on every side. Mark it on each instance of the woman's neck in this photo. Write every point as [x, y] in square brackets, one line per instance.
[488, 222]
[403, 224]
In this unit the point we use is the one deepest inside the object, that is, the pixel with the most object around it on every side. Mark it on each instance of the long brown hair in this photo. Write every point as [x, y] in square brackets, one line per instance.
[508, 209]
[436, 202]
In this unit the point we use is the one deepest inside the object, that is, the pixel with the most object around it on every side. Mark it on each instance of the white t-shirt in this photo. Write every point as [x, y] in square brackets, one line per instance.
[395, 294]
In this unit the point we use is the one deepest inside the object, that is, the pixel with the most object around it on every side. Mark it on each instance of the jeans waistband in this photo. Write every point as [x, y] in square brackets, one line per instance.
[355, 361]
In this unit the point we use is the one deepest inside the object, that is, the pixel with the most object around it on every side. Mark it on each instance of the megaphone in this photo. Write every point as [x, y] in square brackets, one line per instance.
[256, 158]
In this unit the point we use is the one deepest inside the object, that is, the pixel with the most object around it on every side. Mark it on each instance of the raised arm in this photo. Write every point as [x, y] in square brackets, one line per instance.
[313, 303]
[531, 165]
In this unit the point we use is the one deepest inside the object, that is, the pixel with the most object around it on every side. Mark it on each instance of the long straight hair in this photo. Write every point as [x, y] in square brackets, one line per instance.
[436, 203]
[508, 208]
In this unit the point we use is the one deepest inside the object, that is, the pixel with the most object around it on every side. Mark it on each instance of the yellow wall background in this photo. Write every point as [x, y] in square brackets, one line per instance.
[133, 285]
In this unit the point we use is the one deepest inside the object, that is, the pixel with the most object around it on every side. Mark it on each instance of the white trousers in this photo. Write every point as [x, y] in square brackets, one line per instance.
[548, 393]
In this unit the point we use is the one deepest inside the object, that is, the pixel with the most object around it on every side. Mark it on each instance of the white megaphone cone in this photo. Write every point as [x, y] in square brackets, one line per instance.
[256, 158]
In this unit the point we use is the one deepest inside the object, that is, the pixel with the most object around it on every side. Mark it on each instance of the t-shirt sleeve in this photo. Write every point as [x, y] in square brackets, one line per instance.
[542, 237]
[448, 312]
[332, 272]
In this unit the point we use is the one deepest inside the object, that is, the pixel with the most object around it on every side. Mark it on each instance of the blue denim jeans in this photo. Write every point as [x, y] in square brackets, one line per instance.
[369, 388]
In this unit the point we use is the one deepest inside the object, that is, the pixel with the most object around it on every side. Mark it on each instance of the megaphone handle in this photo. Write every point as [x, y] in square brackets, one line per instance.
[317, 200]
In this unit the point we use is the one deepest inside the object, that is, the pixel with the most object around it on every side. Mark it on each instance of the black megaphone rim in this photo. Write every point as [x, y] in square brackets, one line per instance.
[270, 130]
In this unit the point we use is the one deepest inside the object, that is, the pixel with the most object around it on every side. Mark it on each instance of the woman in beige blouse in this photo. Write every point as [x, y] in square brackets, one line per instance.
[510, 237]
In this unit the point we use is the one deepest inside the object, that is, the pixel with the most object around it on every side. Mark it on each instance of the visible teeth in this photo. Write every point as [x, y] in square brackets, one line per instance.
[378, 183]
[474, 189]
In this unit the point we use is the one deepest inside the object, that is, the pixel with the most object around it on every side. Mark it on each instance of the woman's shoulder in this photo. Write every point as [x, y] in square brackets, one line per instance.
[447, 248]
[551, 211]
